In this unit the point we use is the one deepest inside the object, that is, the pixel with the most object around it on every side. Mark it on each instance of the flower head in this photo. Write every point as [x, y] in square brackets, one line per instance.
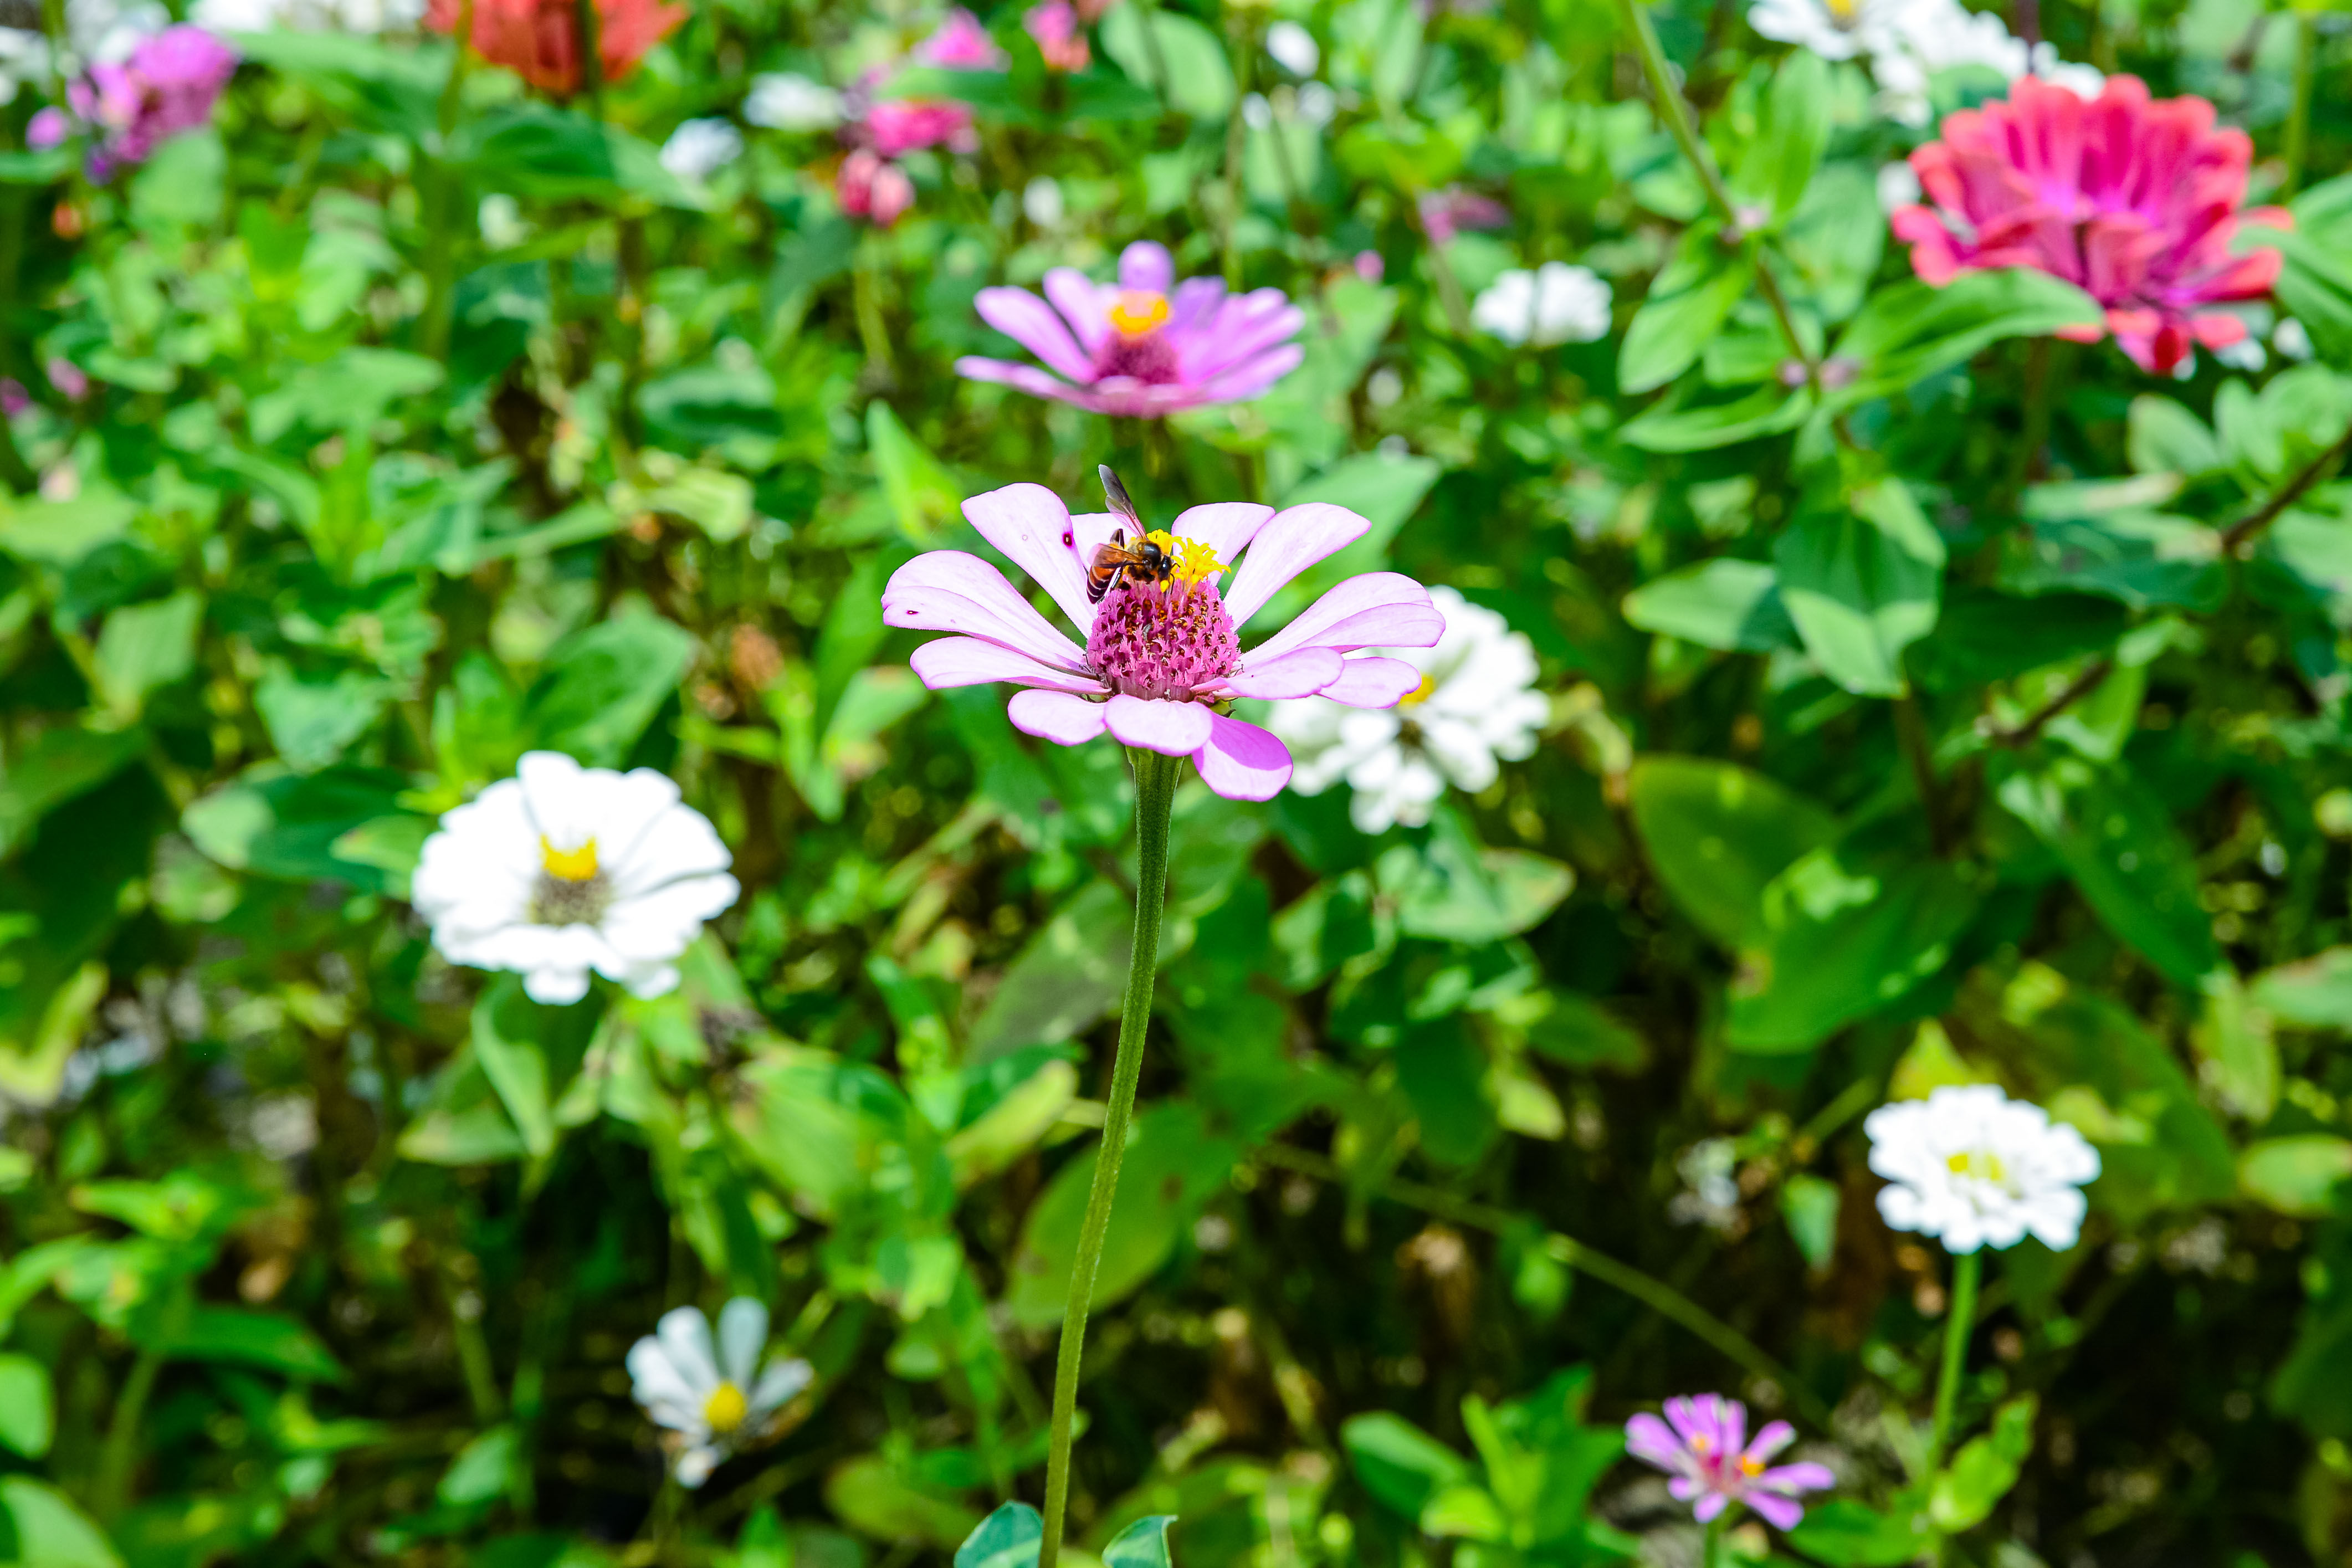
[1163, 657]
[562, 869]
[166, 85]
[1833, 29]
[1554, 304]
[1294, 49]
[714, 1399]
[1477, 702]
[1714, 1465]
[1147, 345]
[2135, 201]
[961, 44]
[785, 101]
[700, 148]
[540, 39]
[1446, 213]
[1061, 37]
[1975, 1168]
[872, 188]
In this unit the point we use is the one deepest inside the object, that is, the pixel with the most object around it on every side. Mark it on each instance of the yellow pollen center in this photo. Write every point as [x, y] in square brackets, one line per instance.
[1980, 1164]
[1418, 694]
[574, 864]
[1136, 312]
[1195, 562]
[1844, 12]
[1700, 1445]
[726, 1408]
[1749, 1467]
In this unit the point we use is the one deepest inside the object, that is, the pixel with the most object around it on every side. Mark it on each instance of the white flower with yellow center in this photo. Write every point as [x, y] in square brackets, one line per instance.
[1476, 703]
[1974, 1168]
[714, 1399]
[564, 870]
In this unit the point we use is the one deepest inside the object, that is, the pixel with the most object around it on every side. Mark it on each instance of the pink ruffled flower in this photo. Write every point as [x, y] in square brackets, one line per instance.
[1148, 346]
[1160, 661]
[897, 125]
[1708, 1454]
[133, 106]
[2135, 202]
[1446, 213]
[868, 187]
[961, 44]
[1060, 36]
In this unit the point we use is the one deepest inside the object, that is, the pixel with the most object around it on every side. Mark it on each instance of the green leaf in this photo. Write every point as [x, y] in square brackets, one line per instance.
[2128, 860]
[1686, 308]
[60, 765]
[275, 824]
[1199, 80]
[923, 495]
[27, 1415]
[537, 149]
[1465, 1512]
[2163, 438]
[60, 533]
[50, 1531]
[1717, 835]
[386, 88]
[1809, 1204]
[1861, 585]
[1910, 331]
[1983, 636]
[349, 391]
[1143, 1545]
[1676, 427]
[1008, 1538]
[2315, 992]
[1844, 1534]
[263, 1339]
[2298, 1175]
[1458, 891]
[1012, 1126]
[1777, 164]
[1401, 1465]
[870, 1495]
[1842, 937]
[1984, 1470]
[313, 718]
[603, 686]
[144, 648]
[1730, 605]
[529, 1052]
[2233, 1042]
[1066, 979]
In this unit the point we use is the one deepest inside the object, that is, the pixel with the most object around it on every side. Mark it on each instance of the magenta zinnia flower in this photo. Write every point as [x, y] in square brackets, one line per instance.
[166, 86]
[1705, 1454]
[1162, 659]
[2135, 202]
[1148, 346]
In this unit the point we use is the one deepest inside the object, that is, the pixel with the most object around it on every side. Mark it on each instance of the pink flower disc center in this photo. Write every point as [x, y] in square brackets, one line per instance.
[1135, 347]
[1163, 640]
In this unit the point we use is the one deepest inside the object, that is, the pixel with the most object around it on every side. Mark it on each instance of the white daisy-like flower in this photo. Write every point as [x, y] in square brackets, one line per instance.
[699, 148]
[1556, 304]
[714, 1399]
[361, 17]
[1975, 1168]
[2292, 338]
[1833, 29]
[1922, 37]
[1477, 704]
[1294, 49]
[562, 869]
[785, 101]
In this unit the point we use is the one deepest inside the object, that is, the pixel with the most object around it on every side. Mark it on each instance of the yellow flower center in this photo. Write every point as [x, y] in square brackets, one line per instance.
[1138, 311]
[1701, 1445]
[1844, 13]
[1981, 1165]
[726, 1408]
[1418, 694]
[574, 865]
[1195, 562]
[1750, 1467]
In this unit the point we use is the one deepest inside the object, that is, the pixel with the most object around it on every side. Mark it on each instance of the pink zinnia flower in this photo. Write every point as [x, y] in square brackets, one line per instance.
[1061, 37]
[1446, 213]
[1143, 347]
[1705, 1454]
[1162, 659]
[133, 106]
[899, 125]
[871, 188]
[961, 44]
[2134, 200]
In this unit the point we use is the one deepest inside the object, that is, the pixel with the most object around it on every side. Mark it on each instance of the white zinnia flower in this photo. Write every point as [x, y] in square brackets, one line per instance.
[361, 17]
[713, 1398]
[562, 869]
[1294, 49]
[1556, 304]
[1476, 703]
[1922, 37]
[1975, 1168]
[700, 148]
[783, 100]
[1833, 29]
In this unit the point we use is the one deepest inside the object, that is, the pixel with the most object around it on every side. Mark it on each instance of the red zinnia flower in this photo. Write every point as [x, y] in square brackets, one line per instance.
[540, 39]
[2135, 202]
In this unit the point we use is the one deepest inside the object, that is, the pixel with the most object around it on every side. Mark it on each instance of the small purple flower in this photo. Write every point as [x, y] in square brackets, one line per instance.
[1703, 1453]
[1446, 213]
[168, 85]
[13, 398]
[67, 377]
[1148, 346]
[1161, 658]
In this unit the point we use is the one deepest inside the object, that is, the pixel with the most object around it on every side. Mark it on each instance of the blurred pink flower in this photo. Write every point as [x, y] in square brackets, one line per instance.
[870, 187]
[1446, 213]
[1707, 1453]
[1159, 658]
[2136, 202]
[1370, 267]
[1146, 347]
[133, 106]
[961, 44]
[13, 398]
[1061, 37]
[67, 377]
[903, 124]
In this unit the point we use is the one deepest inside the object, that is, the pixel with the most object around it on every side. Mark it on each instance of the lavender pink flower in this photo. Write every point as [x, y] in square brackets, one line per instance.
[167, 85]
[1714, 1465]
[1160, 661]
[961, 44]
[1147, 346]
[1446, 213]
[13, 398]
[870, 187]
[1060, 36]
[2134, 200]
[892, 126]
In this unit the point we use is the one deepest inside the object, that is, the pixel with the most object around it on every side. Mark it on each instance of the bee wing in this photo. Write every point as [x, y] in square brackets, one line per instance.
[1120, 502]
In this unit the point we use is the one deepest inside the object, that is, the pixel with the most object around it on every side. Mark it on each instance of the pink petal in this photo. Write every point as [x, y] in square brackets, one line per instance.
[1291, 541]
[1195, 300]
[1774, 1437]
[1074, 295]
[1028, 522]
[1647, 1438]
[1374, 682]
[1779, 1512]
[1225, 526]
[1172, 728]
[1242, 762]
[1802, 1477]
[1025, 378]
[1031, 322]
[1377, 609]
[968, 661]
[1302, 672]
[1246, 381]
[1055, 715]
[1146, 265]
[955, 591]
[1708, 1507]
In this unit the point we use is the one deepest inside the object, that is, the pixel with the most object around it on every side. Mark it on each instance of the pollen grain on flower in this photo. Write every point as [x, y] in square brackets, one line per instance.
[576, 864]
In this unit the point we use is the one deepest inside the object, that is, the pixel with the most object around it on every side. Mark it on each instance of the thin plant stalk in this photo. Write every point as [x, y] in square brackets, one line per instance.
[1710, 1549]
[1155, 797]
[2298, 121]
[120, 1455]
[448, 184]
[1968, 1273]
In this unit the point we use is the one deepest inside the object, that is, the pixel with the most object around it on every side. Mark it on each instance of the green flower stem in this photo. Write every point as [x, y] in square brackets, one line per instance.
[120, 1455]
[1710, 1549]
[1968, 1272]
[2297, 150]
[1155, 797]
[444, 193]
